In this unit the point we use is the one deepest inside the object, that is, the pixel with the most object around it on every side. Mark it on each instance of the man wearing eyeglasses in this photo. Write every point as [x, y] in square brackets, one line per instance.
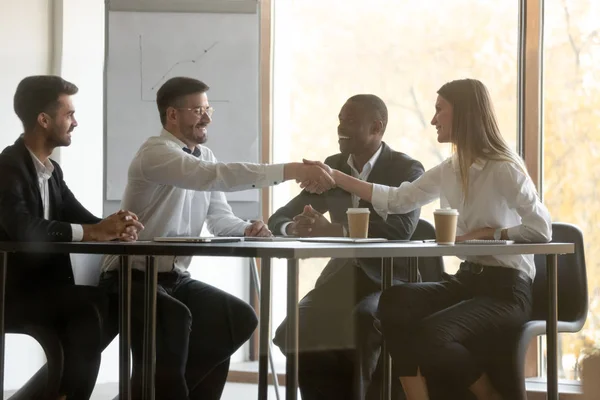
[175, 184]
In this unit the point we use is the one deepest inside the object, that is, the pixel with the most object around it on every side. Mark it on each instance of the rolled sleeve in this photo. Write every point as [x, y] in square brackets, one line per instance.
[536, 227]
[536, 222]
[379, 199]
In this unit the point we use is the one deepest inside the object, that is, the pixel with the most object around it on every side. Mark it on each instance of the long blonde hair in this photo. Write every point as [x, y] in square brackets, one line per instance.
[475, 132]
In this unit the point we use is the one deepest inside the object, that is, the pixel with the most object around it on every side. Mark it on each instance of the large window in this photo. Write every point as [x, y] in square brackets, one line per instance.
[572, 146]
[400, 50]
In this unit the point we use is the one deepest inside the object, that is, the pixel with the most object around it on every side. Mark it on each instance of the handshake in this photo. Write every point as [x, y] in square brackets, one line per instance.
[313, 176]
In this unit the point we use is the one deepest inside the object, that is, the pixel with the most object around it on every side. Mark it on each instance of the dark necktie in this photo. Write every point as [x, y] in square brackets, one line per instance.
[195, 153]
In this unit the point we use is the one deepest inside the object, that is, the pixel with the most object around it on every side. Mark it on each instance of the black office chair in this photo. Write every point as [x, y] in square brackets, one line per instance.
[507, 365]
[430, 268]
[505, 362]
[52, 347]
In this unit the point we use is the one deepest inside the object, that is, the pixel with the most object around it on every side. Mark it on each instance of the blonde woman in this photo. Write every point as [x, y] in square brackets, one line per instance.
[427, 325]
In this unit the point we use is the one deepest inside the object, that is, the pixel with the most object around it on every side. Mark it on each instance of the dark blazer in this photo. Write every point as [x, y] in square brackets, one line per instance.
[22, 219]
[391, 169]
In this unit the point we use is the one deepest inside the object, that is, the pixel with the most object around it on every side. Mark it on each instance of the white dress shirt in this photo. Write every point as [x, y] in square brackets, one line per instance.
[44, 172]
[500, 196]
[363, 176]
[173, 193]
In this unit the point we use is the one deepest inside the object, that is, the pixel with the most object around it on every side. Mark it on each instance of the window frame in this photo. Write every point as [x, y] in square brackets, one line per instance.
[530, 118]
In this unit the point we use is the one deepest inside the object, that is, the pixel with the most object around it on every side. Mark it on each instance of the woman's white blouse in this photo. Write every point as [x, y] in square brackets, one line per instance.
[500, 196]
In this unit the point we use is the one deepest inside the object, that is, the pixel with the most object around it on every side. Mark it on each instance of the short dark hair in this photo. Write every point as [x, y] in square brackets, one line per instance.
[37, 94]
[171, 92]
[372, 104]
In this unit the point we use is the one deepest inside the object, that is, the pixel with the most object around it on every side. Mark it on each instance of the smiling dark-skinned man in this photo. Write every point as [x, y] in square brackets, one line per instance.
[339, 345]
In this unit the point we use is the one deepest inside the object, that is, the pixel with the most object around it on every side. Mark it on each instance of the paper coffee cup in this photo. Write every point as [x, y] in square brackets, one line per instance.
[445, 225]
[358, 222]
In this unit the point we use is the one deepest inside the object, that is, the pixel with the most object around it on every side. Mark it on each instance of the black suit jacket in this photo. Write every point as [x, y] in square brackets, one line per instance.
[391, 169]
[22, 219]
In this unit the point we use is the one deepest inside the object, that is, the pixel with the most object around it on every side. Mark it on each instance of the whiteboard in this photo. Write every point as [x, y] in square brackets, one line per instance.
[147, 48]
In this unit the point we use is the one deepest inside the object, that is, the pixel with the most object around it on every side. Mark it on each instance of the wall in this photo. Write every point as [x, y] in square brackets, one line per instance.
[81, 62]
[24, 50]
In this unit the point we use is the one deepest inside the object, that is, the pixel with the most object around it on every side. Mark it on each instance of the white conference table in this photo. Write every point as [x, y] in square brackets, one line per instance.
[293, 251]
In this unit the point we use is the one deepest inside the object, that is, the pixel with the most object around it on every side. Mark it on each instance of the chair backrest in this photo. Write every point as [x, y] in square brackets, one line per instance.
[572, 279]
[430, 268]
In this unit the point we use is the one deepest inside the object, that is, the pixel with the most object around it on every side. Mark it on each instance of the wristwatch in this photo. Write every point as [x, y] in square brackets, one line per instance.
[498, 234]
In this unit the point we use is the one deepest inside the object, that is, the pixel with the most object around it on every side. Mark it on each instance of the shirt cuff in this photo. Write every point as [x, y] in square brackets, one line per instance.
[274, 174]
[379, 199]
[284, 227]
[76, 233]
[245, 226]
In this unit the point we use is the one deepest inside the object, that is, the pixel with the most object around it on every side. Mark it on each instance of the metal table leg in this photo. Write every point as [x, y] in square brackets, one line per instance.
[552, 327]
[3, 266]
[291, 367]
[413, 269]
[124, 328]
[263, 288]
[149, 353]
[387, 274]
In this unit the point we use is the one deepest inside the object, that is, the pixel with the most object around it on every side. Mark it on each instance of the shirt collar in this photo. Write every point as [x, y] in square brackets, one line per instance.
[481, 162]
[169, 136]
[44, 169]
[478, 165]
[369, 164]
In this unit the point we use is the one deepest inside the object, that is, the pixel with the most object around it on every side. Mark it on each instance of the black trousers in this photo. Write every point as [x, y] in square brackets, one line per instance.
[198, 328]
[339, 345]
[74, 312]
[431, 326]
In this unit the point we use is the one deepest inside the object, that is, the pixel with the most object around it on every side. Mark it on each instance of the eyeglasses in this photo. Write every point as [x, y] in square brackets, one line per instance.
[200, 110]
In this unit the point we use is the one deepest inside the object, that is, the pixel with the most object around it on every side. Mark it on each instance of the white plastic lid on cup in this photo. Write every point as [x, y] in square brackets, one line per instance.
[358, 211]
[446, 211]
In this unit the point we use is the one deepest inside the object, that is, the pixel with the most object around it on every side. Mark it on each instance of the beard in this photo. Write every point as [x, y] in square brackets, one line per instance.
[196, 133]
[60, 137]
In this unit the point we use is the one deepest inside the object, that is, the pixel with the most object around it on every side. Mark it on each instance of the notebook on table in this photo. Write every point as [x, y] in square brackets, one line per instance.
[270, 239]
[342, 240]
[198, 239]
[485, 241]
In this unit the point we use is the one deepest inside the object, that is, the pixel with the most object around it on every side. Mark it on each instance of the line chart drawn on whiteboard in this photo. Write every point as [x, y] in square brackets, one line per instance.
[147, 49]
[164, 77]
